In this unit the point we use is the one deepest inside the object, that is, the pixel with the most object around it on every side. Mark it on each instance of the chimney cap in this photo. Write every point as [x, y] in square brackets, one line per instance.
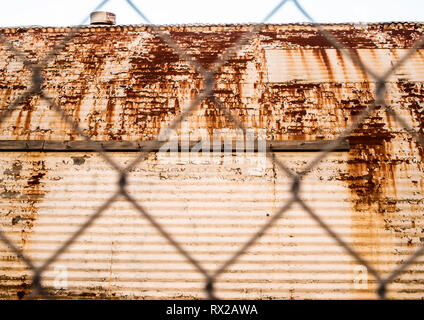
[102, 17]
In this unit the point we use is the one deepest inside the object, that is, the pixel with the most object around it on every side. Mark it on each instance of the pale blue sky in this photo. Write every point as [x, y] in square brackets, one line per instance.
[72, 12]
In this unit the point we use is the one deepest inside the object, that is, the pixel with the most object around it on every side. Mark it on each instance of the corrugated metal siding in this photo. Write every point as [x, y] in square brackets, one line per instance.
[211, 210]
[122, 83]
[320, 65]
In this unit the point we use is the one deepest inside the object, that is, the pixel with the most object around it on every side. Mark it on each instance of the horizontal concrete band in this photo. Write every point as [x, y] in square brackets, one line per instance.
[175, 146]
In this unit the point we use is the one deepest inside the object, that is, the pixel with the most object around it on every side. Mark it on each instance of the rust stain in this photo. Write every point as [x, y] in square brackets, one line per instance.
[340, 58]
[110, 110]
[210, 44]
[156, 77]
[17, 123]
[324, 57]
[28, 120]
[413, 95]
[358, 69]
[156, 85]
[372, 183]
[24, 188]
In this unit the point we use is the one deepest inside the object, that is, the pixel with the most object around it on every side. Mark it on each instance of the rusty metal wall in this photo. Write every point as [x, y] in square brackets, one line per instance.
[211, 209]
[124, 83]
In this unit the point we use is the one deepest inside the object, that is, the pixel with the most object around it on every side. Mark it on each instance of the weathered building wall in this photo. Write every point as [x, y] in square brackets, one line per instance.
[124, 83]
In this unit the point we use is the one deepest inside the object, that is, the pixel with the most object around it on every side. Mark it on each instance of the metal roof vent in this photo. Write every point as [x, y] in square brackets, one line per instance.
[102, 17]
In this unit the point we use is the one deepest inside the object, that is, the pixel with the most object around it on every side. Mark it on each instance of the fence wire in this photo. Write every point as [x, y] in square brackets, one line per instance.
[208, 93]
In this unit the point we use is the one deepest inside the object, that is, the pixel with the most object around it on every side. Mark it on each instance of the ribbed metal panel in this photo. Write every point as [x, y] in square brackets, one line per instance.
[330, 65]
[211, 210]
[123, 83]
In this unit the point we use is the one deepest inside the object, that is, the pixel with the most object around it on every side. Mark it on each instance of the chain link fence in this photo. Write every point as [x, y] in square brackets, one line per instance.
[207, 93]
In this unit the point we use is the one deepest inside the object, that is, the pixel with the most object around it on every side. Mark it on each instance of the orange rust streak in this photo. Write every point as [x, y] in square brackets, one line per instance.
[17, 124]
[324, 57]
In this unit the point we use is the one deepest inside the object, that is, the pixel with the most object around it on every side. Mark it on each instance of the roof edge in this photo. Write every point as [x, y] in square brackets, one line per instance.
[209, 27]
